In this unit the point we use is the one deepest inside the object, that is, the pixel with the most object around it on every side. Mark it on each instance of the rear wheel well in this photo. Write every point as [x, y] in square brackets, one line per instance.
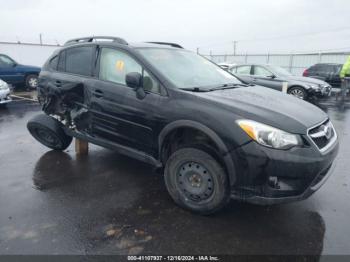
[186, 137]
[31, 73]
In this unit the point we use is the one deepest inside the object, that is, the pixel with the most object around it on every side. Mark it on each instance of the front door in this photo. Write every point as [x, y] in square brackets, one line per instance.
[264, 77]
[118, 114]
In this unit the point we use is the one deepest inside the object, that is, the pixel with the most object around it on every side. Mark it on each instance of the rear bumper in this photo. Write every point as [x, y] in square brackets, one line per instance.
[267, 176]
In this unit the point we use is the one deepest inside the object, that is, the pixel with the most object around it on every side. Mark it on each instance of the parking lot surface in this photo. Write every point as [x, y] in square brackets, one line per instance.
[104, 203]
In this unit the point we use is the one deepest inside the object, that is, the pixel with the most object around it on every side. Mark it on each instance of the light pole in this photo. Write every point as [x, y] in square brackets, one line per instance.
[234, 47]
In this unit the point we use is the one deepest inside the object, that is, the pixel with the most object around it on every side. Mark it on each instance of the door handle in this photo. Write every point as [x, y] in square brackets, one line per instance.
[98, 93]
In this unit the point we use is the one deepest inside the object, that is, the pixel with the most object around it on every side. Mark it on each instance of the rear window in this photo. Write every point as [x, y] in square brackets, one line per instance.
[320, 67]
[77, 60]
[62, 62]
[53, 63]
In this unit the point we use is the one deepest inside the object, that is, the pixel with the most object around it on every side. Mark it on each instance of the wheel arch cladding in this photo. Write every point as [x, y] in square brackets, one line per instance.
[213, 136]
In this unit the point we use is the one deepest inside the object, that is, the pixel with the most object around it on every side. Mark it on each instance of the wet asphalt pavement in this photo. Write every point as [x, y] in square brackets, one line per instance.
[104, 203]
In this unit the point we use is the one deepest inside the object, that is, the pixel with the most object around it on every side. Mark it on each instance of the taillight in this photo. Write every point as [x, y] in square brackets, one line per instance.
[306, 73]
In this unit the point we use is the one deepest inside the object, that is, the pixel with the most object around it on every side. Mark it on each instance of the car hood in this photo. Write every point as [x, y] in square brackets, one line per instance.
[269, 107]
[307, 80]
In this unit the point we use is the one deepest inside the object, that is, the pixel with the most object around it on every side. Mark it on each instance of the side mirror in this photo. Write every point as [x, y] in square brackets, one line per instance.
[14, 64]
[134, 80]
[271, 76]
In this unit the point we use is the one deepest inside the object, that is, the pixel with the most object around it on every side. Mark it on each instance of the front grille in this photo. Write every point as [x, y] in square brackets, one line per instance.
[323, 135]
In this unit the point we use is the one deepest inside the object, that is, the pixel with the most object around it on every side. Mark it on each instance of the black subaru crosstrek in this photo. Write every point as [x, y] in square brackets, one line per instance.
[213, 137]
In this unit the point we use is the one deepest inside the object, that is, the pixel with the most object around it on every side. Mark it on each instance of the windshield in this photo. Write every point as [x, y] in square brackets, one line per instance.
[186, 69]
[280, 71]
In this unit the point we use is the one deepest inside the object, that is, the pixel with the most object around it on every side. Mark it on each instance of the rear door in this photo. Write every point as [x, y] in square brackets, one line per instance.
[72, 67]
[264, 77]
[118, 115]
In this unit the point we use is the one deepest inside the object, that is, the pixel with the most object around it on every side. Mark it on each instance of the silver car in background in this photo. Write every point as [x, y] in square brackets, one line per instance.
[275, 77]
[4, 93]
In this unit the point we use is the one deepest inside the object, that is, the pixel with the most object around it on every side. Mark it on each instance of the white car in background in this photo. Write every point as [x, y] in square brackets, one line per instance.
[4, 93]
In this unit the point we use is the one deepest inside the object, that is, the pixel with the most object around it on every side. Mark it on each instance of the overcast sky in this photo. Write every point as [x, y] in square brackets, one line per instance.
[258, 26]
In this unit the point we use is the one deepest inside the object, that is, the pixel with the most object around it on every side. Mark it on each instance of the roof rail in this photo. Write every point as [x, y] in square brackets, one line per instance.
[92, 38]
[166, 43]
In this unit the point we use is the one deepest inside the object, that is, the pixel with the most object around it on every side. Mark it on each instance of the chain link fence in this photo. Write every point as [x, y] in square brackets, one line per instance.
[28, 53]
[295, 63]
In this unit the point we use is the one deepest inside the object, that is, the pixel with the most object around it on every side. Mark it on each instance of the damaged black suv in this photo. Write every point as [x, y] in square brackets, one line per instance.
[214, 137]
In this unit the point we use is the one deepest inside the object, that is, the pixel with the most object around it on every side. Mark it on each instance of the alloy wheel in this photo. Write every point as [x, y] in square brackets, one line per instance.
[297, 93]
[33, 82]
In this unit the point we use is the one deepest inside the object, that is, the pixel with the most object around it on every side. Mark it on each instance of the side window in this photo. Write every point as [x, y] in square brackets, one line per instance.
[337, 69]
[53, 63]
[233, 70]
[79, 60]
[322, 68]
[243, 70]
[115, 65]
[150, 84]
[6, 61]
[313, 68]
[261, 71]
[62, 62]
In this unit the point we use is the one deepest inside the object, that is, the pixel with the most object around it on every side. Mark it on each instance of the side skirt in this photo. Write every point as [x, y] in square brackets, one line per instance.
[124, 150]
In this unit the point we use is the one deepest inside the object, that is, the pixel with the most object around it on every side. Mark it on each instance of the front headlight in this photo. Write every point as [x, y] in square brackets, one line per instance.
[269, 136]
[316, 87]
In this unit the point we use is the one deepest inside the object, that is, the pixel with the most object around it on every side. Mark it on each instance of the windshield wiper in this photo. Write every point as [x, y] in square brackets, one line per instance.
[227, 86]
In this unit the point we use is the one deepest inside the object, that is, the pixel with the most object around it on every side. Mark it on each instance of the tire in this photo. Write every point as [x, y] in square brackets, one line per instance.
[49, 132]
[298, 92]
[196, 181]
[31, 82]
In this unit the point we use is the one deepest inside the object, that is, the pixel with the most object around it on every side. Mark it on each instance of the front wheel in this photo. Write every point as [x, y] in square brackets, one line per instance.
[196, 181]
[298, 92]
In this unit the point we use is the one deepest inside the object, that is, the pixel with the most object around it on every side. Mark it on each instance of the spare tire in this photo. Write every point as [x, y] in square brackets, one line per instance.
[49, 132]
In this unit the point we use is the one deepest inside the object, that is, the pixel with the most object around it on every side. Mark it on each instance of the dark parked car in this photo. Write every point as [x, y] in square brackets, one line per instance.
[214, 137]
[326, 72]
[17, 74]
[274, 77]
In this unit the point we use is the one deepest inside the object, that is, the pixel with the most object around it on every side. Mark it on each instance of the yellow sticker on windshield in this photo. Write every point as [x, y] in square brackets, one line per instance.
[119, 65]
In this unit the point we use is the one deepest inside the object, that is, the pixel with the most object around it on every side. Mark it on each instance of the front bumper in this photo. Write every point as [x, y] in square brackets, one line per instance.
[5, 96]
[267, 176]
[323, 92]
